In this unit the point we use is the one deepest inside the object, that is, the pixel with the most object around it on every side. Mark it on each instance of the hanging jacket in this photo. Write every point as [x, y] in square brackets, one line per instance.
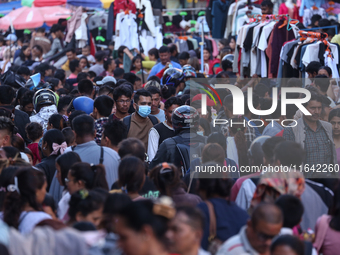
[73, 24]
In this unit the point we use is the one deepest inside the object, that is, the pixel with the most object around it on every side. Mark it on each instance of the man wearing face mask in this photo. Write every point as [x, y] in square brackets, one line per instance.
[140, 122]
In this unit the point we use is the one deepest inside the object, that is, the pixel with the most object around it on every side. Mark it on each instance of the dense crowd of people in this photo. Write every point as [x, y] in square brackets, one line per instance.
[95, 159]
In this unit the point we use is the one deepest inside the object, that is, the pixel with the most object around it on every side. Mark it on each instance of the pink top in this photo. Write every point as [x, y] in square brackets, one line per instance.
[326, 238]
[72, 76]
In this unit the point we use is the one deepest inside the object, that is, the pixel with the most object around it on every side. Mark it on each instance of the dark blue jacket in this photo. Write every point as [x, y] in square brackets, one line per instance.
[229, 219]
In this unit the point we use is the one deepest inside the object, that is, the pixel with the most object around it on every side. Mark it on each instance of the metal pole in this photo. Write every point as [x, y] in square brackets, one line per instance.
[202, 48]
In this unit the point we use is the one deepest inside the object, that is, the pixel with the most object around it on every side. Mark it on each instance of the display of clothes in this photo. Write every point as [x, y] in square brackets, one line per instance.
[98, 25]
[292, 12]
[309, 4]
[308, 14]
[296, 55]
[191, 42]
[238, 15]
[77, 26]
[126, 31]
[257, 47]
[123, 5]
[219, 17]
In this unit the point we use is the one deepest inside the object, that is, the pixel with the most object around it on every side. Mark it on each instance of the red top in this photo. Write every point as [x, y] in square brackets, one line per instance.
[293, 12]
[123, 5]
[160, 74]
[34, 147]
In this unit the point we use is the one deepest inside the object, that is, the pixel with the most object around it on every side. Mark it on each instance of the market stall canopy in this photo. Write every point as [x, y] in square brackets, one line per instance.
[34, 17]
[6, 8]
[106, 3]
[86, 3]
[27, 3]
[43, 3]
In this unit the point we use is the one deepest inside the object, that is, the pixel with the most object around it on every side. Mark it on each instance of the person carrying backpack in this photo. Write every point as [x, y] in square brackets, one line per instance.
[140, 122]
[186, 144]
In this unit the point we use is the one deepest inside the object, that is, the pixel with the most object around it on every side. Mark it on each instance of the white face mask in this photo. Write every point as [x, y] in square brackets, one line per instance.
[200, 133]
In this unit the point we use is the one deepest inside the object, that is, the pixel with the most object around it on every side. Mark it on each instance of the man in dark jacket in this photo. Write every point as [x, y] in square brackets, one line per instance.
[185, 121]
[21, 118]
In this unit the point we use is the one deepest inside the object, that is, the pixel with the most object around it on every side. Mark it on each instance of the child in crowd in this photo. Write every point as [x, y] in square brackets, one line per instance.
[102, 109]
[34, 132]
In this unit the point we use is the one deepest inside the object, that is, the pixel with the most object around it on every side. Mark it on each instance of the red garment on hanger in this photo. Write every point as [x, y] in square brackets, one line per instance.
[122, 5]
[292, 12]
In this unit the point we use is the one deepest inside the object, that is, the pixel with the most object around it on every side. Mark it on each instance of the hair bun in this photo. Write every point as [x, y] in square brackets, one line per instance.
[164, 206]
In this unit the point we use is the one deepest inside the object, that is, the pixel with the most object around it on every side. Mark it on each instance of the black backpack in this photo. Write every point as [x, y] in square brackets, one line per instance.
[12, 79]
[127, 121]
[187, 153]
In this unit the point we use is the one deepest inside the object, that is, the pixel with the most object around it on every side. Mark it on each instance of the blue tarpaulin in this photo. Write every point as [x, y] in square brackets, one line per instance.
[6, 8]
[86, 3]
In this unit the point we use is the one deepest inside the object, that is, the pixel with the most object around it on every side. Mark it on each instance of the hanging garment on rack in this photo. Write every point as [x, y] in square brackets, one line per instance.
[309, 4]
[110, 22]
[242, 17]
[219, 17]
[312, 53]
[292, 12]
[280, 35]
[199, 21]
[330, 62]
[208, 14]
[99, 19]
[265, 46]
[81, 32]
[123, 5]
[128, 35]
[308, 14]
[118, 28]
[73, 24]
[157, 13]
[336, 7]
[255, 52]
[148, 16]
[156, 4]
[231, 11]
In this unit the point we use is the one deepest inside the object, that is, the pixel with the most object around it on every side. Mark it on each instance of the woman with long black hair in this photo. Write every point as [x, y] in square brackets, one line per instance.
[53, 145]
[23, 202]
[25, 54]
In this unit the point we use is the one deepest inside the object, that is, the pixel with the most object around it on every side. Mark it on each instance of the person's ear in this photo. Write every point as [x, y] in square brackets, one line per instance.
[146, 232]
[107, 141]
[135, 106]
[79, 217]
[199, 235]
[249, 224]
[94, 113]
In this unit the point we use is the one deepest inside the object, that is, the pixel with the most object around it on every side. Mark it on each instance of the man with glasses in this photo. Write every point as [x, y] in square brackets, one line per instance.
[122, 97]
[256, 237]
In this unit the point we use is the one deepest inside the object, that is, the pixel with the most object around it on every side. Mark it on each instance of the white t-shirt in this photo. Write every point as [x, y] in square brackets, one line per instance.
[90, 58]
[28, 220]
[63, 205]
[232, 149]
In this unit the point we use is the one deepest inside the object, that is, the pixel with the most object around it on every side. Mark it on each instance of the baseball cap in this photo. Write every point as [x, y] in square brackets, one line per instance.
[106, 79]
[199, 97]
[11, 37]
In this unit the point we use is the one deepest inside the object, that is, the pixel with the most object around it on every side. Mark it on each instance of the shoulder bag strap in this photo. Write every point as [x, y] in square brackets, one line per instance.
[212, 221]
[101, 159]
